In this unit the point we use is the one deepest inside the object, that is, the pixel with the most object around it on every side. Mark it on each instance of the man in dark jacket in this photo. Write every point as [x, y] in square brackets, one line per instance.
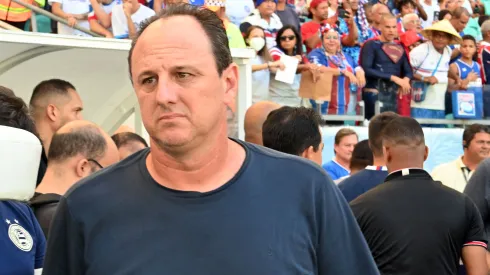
[413, 224]
[78, 149]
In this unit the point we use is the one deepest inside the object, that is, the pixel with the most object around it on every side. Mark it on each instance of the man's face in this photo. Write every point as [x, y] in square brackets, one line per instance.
[460, 23]
[388, 29]
[440, 40]
[267, 8]
[182, 97]
[321, 11]
[379, 12]
[345, 147]
[480, 146]
[71, 110]
[412, 24]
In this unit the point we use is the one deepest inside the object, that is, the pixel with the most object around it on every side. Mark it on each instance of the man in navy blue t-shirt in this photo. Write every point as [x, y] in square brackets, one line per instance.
[197, 202]
[22, 243]
[364, 180]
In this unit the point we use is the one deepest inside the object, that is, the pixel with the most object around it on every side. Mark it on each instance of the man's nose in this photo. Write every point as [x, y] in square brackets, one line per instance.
[166, 93]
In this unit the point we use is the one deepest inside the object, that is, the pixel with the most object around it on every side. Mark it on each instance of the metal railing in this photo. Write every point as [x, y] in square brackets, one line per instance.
[463, 122]
[357, 117]
[38, 10]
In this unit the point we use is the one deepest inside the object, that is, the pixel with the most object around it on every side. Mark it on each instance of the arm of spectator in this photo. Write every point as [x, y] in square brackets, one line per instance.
[56, 8]
[350, 39]
[367, 62]
[157, 5]
[127, 6]
[474, 249]
[82, 16]
[310, 36]
[100, 14]
[342, 248]
[64, 254]
[95, 26]
[421, 11]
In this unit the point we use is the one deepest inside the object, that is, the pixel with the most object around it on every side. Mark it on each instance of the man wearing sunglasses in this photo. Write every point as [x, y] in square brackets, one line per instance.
[78, 149]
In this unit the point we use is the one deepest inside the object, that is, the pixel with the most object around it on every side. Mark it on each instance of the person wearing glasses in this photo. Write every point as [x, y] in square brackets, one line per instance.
[78, 149]
[288, 43]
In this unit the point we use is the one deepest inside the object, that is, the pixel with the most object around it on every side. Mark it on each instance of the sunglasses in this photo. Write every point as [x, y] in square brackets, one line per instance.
[288, 38]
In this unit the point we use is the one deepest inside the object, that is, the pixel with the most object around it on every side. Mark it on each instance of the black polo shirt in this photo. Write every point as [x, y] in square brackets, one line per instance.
[417, 226]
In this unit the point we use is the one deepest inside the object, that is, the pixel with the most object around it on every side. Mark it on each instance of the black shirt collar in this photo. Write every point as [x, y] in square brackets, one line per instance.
[408, 173]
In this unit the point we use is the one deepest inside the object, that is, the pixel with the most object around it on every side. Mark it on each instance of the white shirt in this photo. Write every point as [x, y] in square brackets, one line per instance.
[238, 10]
[73, 7]
[451, 174]
[120, 24]
[424, 59]
[430, 10]
[270, 28]
[260, 81]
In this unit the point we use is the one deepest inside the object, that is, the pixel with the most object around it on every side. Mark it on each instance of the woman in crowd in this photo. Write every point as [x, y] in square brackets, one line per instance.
[347, 75]
[288, 43]
[262, 64]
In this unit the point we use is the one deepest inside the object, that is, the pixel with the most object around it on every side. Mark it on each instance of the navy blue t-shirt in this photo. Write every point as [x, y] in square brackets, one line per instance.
[362, 181]
[22, 242]
[280, 214]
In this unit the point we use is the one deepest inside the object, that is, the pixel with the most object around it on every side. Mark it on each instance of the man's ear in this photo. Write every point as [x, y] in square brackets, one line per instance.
[229, 78]
[52, 112]
[82, 168]
[426, 154]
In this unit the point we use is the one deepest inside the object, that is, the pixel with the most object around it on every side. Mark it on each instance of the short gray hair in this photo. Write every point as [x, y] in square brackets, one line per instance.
[485, 28]
[407, 17]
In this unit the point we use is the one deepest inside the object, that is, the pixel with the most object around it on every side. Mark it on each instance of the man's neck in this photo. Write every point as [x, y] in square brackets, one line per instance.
[317, 20]
[266, 17]
[45, 135]
[204, 168]
[55, 182]
[342, 162]
[281, 6]
[470, 162]
[467, 60]
[135, 8]
[403, 165]
[383, 39]
[378, 161]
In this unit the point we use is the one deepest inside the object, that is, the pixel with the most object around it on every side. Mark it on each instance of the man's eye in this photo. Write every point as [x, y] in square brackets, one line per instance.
[149, 80]
[183, 75]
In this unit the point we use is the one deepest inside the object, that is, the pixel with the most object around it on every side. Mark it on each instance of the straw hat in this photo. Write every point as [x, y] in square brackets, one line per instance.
[443, 26]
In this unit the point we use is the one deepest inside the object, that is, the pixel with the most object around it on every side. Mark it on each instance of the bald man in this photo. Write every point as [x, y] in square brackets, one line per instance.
[124, 129]
[378, 11]
[255, 118]
[78, 149]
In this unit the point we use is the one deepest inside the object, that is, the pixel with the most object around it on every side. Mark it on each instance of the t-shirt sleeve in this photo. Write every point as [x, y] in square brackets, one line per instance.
[64, 254]
[55, 1]
[307, 31]
[475, 232]
[340, 241]
[275, 53]
[40, 242]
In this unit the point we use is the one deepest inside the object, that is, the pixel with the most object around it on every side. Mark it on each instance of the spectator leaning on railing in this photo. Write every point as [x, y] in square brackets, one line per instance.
[127, 16]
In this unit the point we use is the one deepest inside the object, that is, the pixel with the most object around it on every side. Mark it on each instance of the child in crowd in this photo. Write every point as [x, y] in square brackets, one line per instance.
[465, 67]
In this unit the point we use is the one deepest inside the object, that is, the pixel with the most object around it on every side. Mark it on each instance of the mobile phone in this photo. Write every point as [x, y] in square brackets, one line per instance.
[343, 13]
[436, 15]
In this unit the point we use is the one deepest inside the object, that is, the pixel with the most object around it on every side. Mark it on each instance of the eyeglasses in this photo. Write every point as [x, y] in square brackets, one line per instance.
[288, 38]
[96, 163]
